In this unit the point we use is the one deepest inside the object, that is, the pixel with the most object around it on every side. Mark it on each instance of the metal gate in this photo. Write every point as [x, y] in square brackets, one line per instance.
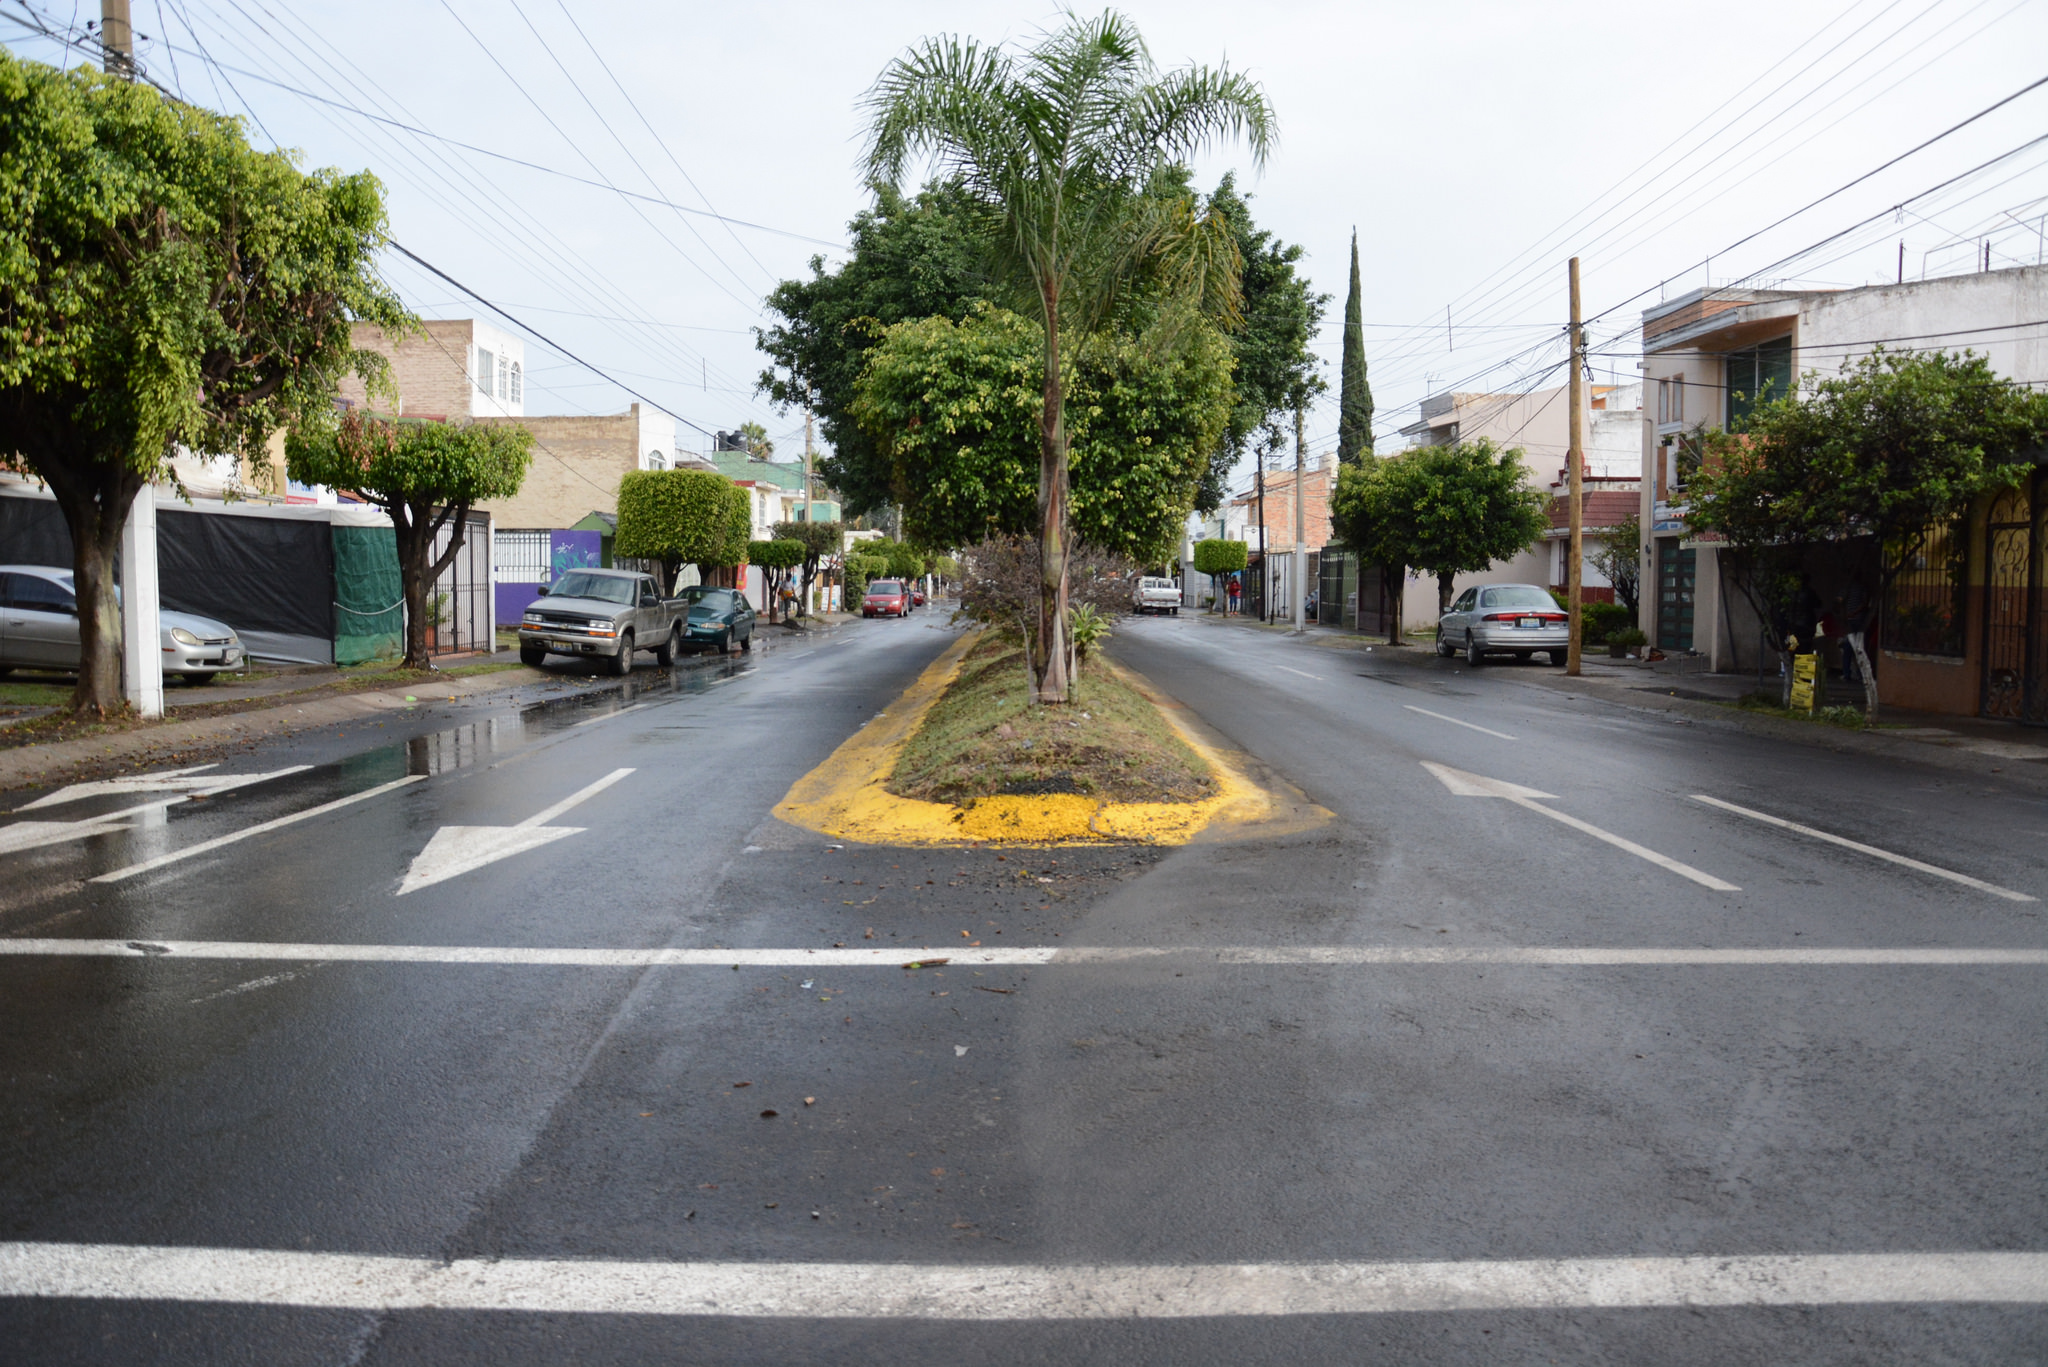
[1676, 566]
[2013, 683]
[459, 603]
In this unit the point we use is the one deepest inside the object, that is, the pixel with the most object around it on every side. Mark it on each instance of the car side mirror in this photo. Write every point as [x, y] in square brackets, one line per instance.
[543, 590]
[648, 600]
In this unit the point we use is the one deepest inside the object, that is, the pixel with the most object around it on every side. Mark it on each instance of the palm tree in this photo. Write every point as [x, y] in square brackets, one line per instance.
[1061, 145]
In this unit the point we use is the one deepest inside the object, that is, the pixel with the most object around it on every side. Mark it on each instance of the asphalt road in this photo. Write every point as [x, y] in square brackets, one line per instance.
[1372, 1045]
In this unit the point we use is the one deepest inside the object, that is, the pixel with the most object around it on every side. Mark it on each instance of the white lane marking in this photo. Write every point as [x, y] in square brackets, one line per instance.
[27, 835]
[256, 951]
[1500, 735]
[168, 781]
[592, 721]
[910, 1291]
[458, 849]
[1304, 673]
[1477, 785]
[260, 828]
[1861, 848]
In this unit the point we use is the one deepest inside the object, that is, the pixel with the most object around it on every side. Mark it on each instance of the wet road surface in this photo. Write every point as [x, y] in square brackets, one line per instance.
[1188, 1093]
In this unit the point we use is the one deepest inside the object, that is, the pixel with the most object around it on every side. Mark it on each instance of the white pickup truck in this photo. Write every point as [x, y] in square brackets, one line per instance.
[1156, 595]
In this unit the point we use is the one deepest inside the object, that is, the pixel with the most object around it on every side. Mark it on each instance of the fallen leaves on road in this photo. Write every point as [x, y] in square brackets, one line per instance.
[743, 1084]
[1005, 991]
[810, 1101]
[769, 1115]
[926, 963]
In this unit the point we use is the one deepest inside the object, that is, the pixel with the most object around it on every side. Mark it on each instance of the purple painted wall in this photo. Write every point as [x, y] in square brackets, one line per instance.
[566, 551]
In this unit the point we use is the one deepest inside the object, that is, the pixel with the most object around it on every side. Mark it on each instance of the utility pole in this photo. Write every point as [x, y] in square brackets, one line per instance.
[1577, 477]
[810, 594]
[142, 663]
[117, 39]
[1265, 566]
[1300, 533]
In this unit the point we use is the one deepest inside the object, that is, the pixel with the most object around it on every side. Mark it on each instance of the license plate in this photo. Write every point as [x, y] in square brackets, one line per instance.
[1529, 622]
[569, 646]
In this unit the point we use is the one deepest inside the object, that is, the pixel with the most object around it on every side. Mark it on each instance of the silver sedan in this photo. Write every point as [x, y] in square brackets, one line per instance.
[1504, 619]
[39, 629]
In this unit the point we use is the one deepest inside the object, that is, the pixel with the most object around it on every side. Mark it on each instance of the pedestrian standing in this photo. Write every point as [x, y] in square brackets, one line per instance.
[1235, 607]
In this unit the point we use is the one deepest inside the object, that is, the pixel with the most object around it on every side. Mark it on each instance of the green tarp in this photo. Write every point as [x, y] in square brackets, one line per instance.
[369, 605]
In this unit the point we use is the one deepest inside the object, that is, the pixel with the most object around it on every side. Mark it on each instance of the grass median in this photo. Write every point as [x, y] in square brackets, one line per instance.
[983, 738]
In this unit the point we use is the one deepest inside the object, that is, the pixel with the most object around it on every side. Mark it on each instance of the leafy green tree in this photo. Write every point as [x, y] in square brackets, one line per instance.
[1215, 557]
[819, 540]
[682, 517]
[1276, 369]
[756, 438]
[911, 257]
[1466, 505]
[161, 283]
[957, 409]
[426, 475]
[1876, 456]
[776, 559]
[899, 561]
[1059, 145]
[1367, 514]
[1619, 558]
[1354, 393]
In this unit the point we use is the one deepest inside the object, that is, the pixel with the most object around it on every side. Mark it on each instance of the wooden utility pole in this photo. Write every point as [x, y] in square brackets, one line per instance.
[1576, 455]
[117, 39]
[810, 593]
[1300, 575]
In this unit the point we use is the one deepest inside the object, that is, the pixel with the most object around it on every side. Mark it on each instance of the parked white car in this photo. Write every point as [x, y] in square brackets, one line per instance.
[39, 629]
[1504, 619]
[1156, 595]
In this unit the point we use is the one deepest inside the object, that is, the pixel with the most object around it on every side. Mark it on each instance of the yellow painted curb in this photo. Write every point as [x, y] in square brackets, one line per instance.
[844, 796]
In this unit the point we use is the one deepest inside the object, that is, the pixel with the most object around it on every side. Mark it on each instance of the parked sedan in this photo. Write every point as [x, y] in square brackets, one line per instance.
[39, 629]
[719, 617]
[886, 598]
[1504, 619]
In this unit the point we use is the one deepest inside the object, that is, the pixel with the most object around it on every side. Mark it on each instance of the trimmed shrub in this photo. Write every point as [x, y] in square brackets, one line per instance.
[682, 517]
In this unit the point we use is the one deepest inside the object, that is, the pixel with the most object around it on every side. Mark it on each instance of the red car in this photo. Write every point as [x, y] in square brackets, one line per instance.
[886, 598]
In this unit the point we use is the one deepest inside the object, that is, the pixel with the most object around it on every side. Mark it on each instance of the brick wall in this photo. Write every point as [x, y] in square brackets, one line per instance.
[431, 369]
[577, 465]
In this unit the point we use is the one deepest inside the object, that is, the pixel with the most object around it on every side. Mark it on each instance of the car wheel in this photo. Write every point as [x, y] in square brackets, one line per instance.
[1444, 650]
[665, 653]
[1558, 657]
[1474, 656]
[199, 680]
[532, 656]
[1523, 657]
[622, 663]
[747, 644]
[725, 644]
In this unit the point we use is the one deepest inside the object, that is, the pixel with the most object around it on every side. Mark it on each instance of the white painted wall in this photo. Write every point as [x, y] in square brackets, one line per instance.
[507, 350]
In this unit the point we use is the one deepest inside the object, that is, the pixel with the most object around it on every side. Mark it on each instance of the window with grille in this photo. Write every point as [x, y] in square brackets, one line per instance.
[521, 557]
[518, 385]
[504, 377]
[1925, 614]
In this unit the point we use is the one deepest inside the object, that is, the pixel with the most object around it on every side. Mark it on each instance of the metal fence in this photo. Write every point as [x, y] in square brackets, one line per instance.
[459, 607]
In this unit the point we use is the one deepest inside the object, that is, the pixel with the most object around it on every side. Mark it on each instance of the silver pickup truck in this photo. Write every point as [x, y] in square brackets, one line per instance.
[608, 613]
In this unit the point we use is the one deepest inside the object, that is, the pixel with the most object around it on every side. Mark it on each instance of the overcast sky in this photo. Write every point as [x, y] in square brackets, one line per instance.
[1475, 146]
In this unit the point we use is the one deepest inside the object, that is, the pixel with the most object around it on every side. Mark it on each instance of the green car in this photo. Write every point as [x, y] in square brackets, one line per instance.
[719, 617]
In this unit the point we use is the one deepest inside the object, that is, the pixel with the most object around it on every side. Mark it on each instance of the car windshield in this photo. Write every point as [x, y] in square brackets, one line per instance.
[1517, 596]
[605, 588]
[697, 595]
[884, 588]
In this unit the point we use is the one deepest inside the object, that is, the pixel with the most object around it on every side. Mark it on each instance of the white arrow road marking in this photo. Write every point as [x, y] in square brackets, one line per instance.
[259, 828]
[1500, 735]
[1283, 956]
[27, 835]
[1475, 785]
[458, 849]
[168, 781]
[1016, 1292]
[1861, 848]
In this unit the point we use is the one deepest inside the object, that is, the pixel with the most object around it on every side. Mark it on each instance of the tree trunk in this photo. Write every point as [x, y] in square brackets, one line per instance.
[1393, 582]
[1869, 679]
[409, 531]
[1049, 649]
[95, 503]
[1445, 585]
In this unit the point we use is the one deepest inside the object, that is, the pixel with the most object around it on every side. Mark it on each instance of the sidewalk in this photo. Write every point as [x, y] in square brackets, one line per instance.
[1968, 744]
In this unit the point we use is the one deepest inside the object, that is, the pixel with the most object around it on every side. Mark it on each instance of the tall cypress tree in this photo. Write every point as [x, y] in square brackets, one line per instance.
[1354, 420]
